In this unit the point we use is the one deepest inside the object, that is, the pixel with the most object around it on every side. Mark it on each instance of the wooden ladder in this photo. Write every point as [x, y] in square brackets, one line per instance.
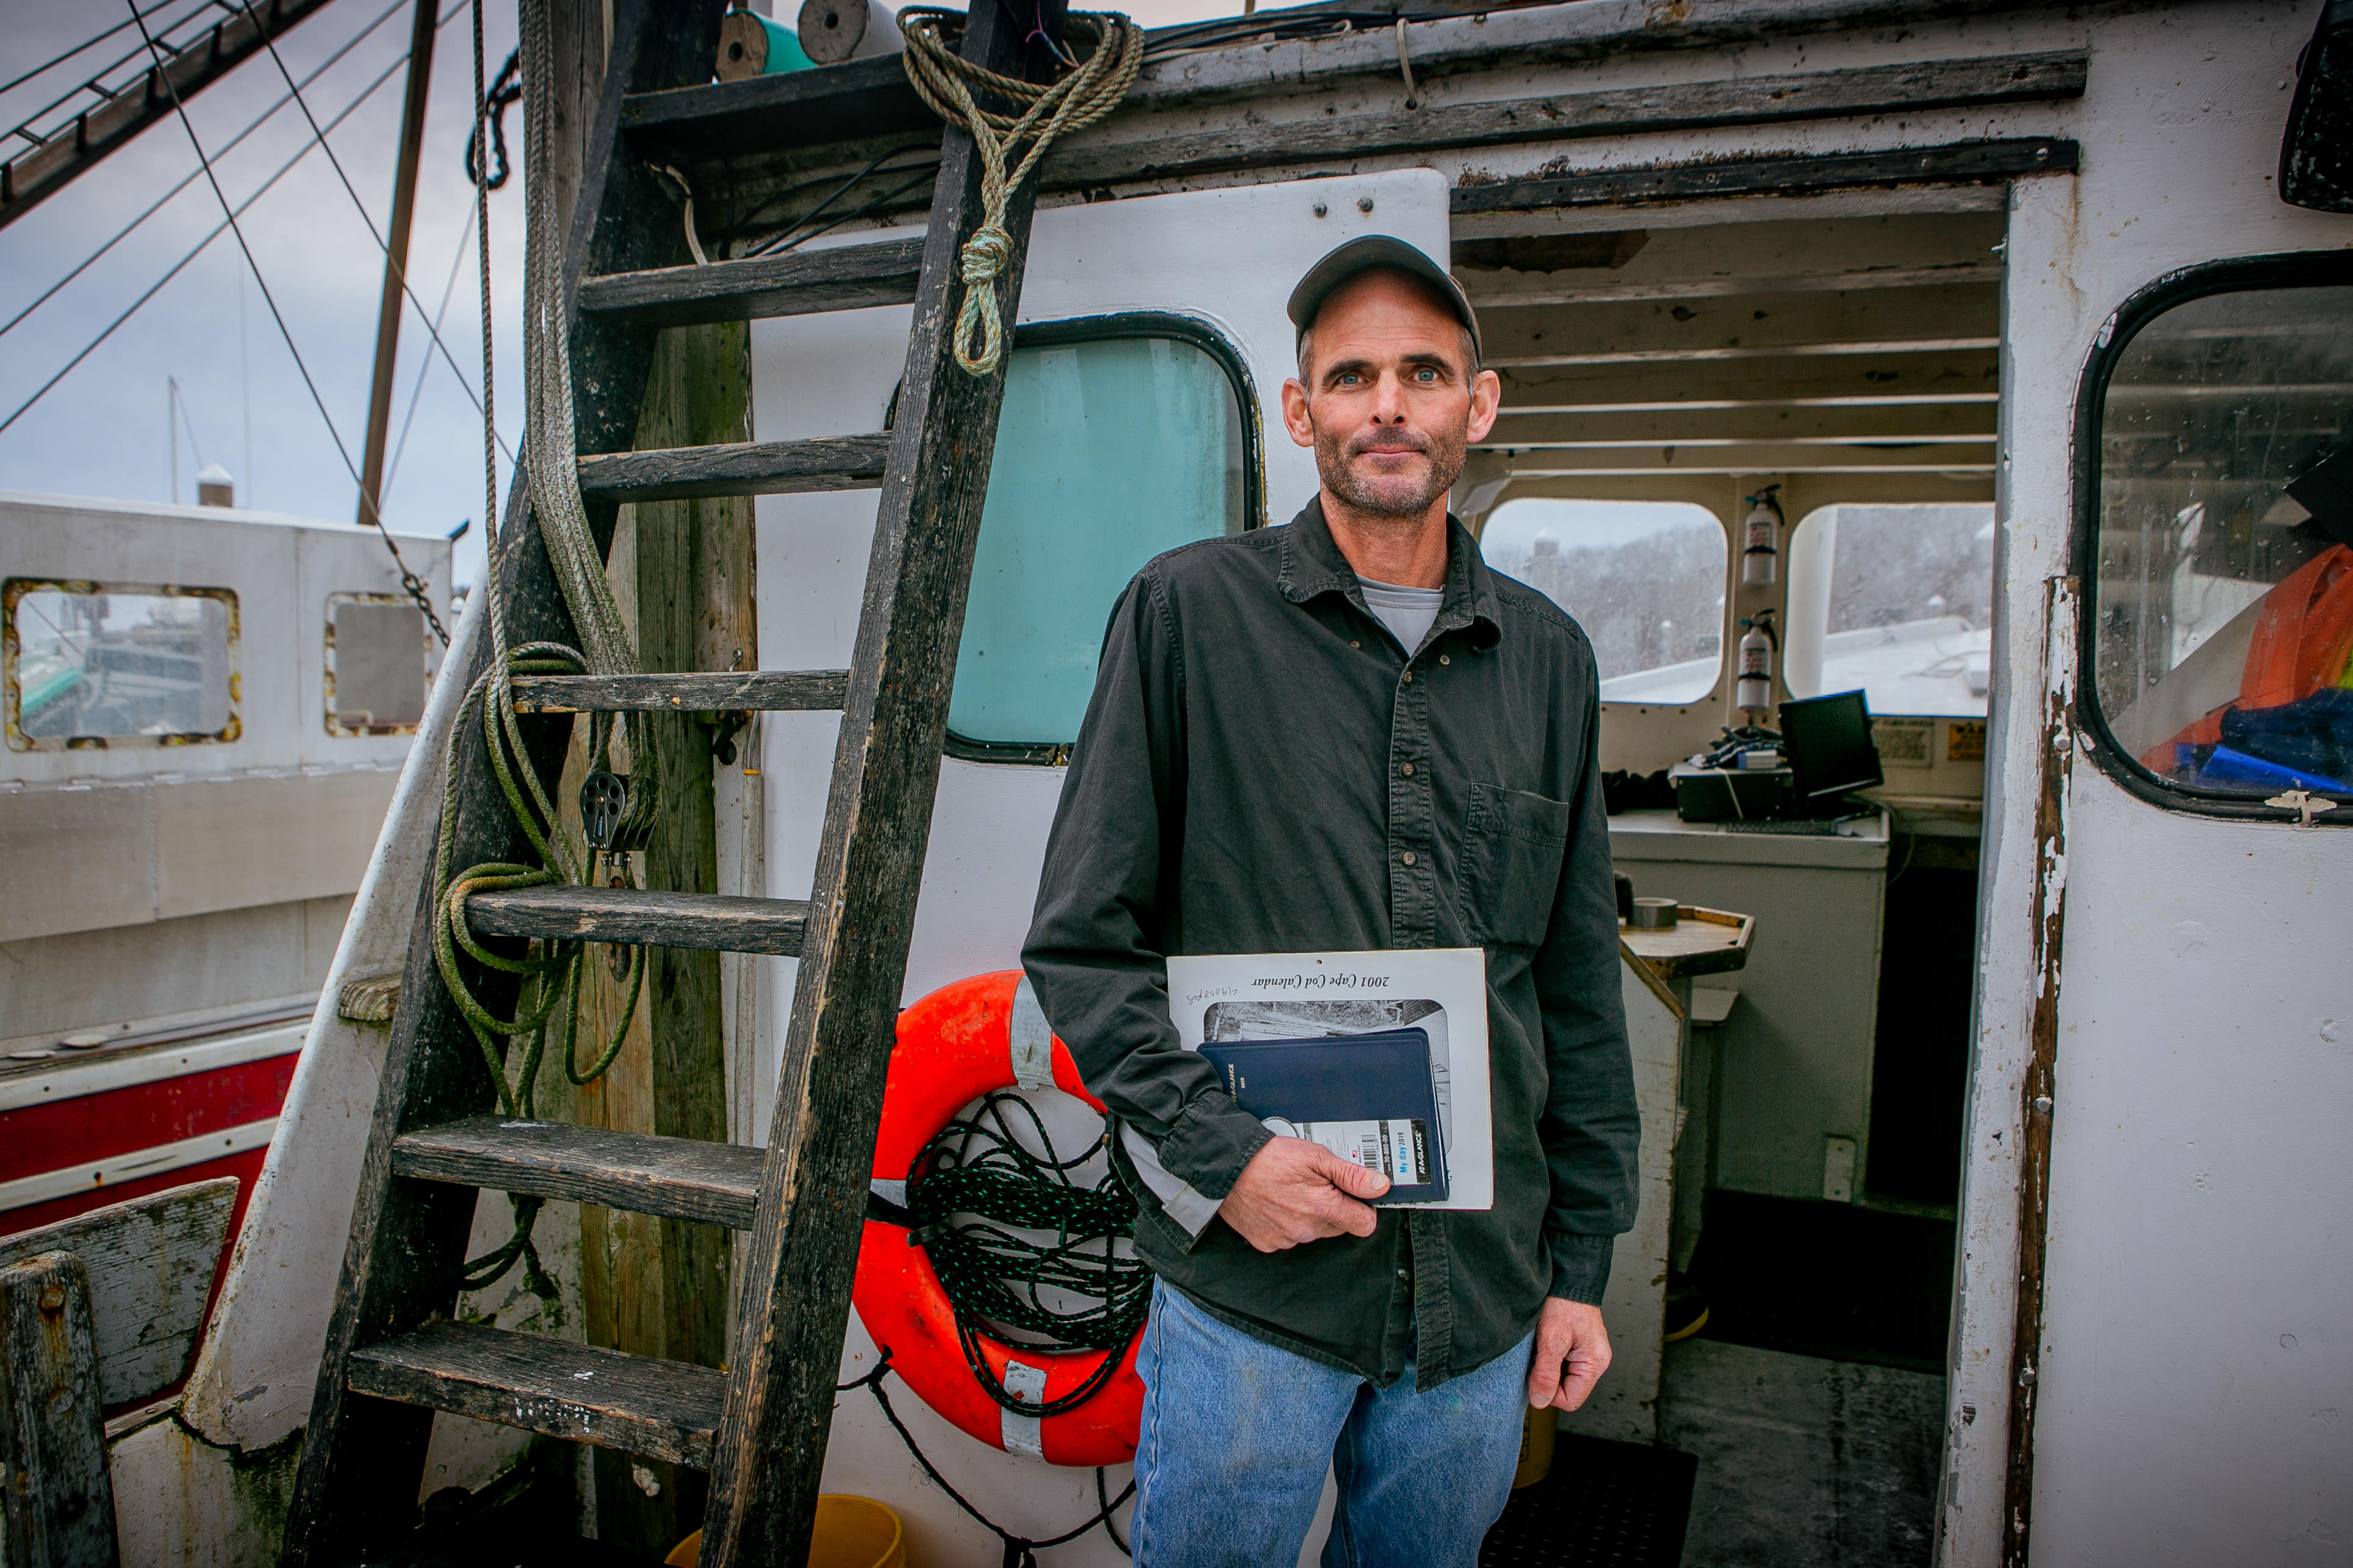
[396, 1353]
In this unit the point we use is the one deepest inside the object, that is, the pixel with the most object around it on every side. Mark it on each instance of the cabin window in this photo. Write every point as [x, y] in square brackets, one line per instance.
[93, 664]
[1645, 579]
[376, 661]
[1111, 449]
[1895, 601]
[2219, 620]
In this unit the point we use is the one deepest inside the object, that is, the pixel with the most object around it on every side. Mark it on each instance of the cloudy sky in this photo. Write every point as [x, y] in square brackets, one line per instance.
[104, 428]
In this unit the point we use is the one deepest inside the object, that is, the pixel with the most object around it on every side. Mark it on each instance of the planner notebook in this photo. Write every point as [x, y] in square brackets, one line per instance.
[1370, 1098]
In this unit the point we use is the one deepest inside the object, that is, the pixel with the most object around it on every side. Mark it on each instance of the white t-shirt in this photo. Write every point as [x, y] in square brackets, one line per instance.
[1407, 612]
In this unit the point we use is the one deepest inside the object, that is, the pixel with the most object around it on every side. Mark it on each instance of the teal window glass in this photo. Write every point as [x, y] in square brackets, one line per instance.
[1108, 452]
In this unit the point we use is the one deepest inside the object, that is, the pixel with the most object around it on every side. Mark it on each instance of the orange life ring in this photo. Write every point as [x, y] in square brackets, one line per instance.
[955, 1046]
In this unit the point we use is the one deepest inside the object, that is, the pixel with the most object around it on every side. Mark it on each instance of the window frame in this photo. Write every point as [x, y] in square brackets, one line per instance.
[1113, 328]
[335, 727]
[2248, 274]
[14, 590]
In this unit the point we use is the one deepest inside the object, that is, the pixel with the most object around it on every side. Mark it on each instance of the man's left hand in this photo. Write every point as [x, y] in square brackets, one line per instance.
[1572, 1353]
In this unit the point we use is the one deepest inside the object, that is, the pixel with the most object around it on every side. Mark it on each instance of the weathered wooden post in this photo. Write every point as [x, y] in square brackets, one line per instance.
[59, 1500]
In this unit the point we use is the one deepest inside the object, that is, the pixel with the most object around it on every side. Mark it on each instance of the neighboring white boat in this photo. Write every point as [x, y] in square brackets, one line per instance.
[207, 712]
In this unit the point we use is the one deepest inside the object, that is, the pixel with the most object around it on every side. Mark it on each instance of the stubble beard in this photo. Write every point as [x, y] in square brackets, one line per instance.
[1402, 498]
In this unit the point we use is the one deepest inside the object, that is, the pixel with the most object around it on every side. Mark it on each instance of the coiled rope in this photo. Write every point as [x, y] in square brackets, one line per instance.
[947, 81]
[973, 1181]
[550, 970]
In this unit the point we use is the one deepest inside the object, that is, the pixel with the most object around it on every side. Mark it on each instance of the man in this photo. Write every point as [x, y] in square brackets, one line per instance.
[1349, 734]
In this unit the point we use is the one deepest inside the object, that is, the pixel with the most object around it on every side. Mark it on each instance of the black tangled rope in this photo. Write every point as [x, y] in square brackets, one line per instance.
[973, 1181]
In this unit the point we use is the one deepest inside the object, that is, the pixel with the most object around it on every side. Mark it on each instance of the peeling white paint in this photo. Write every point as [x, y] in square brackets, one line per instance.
[2159, 1439]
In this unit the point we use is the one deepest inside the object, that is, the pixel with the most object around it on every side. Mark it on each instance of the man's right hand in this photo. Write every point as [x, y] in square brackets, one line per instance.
[1294, 1191]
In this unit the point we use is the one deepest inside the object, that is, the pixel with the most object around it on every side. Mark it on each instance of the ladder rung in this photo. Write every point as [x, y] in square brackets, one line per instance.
[737, 468]
[630, 917]
[797, 283]
[682, 1178]
[758, 692]
[654, 1409]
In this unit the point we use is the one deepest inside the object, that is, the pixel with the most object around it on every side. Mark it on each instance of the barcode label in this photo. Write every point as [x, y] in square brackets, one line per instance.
[1398, 1147]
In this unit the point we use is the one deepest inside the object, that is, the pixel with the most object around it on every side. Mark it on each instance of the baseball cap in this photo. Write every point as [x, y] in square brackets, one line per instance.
[1364, 254]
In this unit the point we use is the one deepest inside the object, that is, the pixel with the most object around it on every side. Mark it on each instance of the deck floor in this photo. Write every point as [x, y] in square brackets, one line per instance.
[1803, 1462]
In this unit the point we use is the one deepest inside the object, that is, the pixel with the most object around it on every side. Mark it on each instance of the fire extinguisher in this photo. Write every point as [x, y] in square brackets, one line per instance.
[1754, 691]
[1760, 547]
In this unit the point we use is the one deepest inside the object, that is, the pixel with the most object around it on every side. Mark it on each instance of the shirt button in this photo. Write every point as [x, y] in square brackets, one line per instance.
[1409, 857]
[1444, 659]
[1406, 770]
[1409, 677]
[1353, 643]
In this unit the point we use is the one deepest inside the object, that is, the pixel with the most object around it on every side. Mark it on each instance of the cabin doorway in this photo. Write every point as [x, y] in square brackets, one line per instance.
[1827, 367]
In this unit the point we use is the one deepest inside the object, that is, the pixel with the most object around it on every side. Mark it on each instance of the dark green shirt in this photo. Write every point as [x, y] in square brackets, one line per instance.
[1263, 769]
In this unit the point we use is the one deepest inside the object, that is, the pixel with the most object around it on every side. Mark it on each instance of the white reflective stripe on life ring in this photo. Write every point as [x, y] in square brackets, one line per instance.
[1031, 1041]
[1023, 1434]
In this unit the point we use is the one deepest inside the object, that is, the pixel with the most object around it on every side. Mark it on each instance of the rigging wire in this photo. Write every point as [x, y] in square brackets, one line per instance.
[790, 238]
[193, 175]
[382, 244]
[180, 403]
[424, 363]
[409, 580]
[200, 248]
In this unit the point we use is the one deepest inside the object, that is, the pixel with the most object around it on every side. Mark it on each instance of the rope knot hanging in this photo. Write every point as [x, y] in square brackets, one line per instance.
[979, 332]
[945, 80]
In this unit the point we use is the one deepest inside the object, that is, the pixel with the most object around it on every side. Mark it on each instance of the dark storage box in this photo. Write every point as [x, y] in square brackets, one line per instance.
[1713, 794]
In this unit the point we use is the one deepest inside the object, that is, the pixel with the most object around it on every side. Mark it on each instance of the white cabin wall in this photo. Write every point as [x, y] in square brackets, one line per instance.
[2198, 1131]
[54, 984]
[156, 880]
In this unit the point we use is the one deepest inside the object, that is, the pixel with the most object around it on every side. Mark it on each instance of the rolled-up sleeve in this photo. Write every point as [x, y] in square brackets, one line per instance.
[1590, 1126]
[1097, 948]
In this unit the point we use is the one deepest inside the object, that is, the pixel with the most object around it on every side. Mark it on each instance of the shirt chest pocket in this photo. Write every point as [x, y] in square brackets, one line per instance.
[1513, 844]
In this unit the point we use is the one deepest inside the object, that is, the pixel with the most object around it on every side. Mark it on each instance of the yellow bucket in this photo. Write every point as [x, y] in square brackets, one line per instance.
[1536, 1447]
[852, 1533]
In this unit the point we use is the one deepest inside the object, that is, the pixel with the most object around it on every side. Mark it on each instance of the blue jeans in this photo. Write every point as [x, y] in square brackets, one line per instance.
[1236, 1432]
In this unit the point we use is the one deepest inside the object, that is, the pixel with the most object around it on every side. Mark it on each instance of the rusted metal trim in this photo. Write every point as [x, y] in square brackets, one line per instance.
[335, 725]
[13, 591]
[2054, 767]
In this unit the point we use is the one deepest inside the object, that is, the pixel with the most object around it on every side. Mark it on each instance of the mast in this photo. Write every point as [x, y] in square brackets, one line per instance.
[395, 257]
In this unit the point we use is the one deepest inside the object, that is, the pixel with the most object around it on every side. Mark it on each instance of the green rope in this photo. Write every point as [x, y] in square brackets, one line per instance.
[550, 969]
[947, 81]
[973, 1181]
